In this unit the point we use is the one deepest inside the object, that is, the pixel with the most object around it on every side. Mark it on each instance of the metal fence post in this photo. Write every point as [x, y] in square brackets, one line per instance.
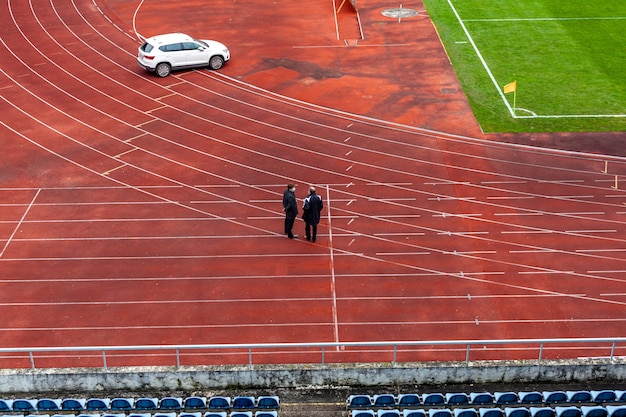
[613, 350]
[250, 357]
[323, 352]
[467, 353]
[177, 359]
[32, 360]
[540, 353]
[104, 360]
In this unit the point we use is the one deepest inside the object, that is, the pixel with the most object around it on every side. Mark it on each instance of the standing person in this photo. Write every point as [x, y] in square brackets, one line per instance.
[290, 207]
[312, 207]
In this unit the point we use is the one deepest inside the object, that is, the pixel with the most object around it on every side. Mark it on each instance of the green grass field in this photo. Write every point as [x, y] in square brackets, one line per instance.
[568, 58]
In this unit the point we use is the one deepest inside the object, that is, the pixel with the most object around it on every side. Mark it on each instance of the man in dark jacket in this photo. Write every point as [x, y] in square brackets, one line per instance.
[290, 207]
[312, 207]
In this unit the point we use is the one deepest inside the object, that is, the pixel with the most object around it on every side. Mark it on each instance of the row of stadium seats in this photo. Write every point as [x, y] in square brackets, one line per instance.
[140, 404]
[558, 411]
[260, 413]
[478, 399]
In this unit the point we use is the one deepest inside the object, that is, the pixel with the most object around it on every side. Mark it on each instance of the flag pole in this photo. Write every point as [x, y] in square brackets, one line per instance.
[514, 97]
[511, 88]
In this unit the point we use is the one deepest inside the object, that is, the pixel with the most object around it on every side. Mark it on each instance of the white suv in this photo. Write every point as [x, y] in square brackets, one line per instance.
[163, 53]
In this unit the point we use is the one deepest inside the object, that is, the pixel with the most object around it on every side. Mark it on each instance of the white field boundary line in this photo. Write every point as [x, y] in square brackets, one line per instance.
[547, 19]
[497, 85]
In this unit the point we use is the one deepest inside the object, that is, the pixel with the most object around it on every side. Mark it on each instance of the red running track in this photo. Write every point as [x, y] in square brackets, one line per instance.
[145, 211]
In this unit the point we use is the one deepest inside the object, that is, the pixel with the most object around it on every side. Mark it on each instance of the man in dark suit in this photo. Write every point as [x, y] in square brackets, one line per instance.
[312, 207]
[290, 207]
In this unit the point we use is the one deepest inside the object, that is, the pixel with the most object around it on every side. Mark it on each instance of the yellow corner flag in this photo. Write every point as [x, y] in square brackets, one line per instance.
[510, 87]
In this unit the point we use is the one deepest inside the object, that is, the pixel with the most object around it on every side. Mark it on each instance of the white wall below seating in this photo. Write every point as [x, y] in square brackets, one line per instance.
[291, 376]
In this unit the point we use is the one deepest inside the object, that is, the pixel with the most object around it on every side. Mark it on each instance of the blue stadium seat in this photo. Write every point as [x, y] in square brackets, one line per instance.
[89, 415]
[190, 414]
[243, 402]
[24, 405]
[268, 402]
[530, 397]
[195, 403]
[578, 396]
[569, 411]
[360, 413]
[139, 415]
[594, 411]
[384, 400]
[506, 398]
[516, 412]
[465, 412]
[439, 412]
[433, 399]
[620, 396]
[48, 404]
[122, 404]
[554, 397]
[481, 398]
[241, 414]
[171, 403]
[146, 404]
[73, 404]
[6, 405]
[616, 410]
[490, 412]
[266, 413]
[213, 414]
[388, 413]
[219, 403]
[407, 412]
[97, 404]
[603, 396]
[408, 400]
[541, 412]
[457, 398]
[359, 401]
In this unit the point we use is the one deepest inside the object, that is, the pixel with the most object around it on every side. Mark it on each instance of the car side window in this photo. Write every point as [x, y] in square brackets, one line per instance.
[190, 46]
[172, 47]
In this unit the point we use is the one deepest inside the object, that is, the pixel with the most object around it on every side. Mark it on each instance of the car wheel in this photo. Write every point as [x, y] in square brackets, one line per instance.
[163, 69]
[216, 62]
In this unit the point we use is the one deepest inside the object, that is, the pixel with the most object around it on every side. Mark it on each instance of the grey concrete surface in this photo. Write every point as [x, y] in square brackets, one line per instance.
[294, 377]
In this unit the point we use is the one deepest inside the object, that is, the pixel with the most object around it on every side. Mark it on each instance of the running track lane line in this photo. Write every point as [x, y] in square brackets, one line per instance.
[17, 227]
[332, 267]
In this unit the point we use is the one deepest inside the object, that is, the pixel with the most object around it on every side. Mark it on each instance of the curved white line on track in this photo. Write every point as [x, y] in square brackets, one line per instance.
[139, 36]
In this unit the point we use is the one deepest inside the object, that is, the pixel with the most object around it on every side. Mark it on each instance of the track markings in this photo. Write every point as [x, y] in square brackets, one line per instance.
[114, 169]
[19, 223]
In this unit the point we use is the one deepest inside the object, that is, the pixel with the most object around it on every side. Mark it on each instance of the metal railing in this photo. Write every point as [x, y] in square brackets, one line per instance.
[605, 349]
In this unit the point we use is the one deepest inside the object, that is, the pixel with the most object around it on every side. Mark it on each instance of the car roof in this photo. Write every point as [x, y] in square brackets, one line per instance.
[169, 38]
